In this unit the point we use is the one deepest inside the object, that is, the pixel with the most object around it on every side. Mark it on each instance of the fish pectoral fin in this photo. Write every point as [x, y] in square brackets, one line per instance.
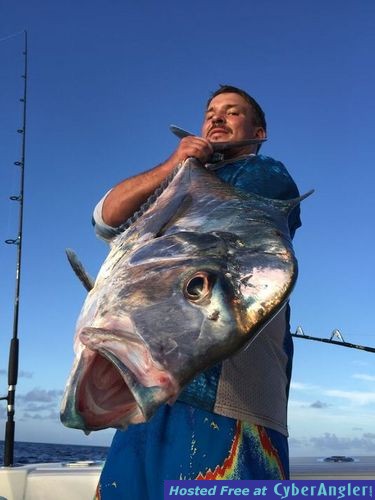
[286, 206]
[79, 270]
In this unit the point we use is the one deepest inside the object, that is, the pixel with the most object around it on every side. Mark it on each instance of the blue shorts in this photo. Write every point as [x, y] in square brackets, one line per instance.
[182, 442]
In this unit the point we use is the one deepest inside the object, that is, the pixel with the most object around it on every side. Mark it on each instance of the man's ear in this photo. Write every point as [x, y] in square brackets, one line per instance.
[260, 133]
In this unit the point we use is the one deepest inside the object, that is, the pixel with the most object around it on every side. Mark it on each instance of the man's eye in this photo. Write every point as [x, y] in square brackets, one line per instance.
[233, 113]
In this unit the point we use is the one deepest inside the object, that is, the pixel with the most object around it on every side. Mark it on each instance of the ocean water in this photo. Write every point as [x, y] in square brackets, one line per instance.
[25, 452]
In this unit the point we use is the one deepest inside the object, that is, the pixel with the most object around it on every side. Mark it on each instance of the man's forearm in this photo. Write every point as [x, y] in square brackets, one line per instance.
[127, 196]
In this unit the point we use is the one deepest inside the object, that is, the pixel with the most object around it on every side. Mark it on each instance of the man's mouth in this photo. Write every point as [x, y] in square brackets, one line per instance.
[219, 130]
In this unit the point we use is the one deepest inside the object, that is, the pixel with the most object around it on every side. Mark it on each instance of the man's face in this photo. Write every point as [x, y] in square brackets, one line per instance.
[230, 118]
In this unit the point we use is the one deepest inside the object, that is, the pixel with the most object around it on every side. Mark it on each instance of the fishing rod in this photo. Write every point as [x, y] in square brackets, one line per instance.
[14, 345]
[341, 342]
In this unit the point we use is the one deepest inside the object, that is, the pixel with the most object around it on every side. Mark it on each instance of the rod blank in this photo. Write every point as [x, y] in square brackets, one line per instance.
[14, 345]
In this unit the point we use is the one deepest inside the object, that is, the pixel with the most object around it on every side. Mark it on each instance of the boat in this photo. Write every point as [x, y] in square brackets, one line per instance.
[50, 481]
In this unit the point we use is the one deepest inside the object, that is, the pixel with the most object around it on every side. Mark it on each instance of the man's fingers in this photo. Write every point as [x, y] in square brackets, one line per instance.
[197, 147]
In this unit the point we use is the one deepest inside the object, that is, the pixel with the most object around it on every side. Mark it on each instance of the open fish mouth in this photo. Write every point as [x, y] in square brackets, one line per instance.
[116, 382]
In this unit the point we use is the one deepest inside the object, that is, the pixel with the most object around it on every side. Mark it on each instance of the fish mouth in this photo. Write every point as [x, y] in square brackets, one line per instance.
[117, 382]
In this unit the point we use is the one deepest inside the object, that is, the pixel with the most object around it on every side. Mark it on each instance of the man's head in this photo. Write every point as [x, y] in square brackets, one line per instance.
[233, 115]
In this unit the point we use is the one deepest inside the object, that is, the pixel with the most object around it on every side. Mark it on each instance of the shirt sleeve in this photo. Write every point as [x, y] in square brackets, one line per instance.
[269, 178]
[102, 230]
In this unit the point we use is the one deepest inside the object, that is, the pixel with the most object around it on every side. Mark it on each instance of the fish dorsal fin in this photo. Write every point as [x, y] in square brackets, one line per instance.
[184, 169]
[150, 200]
[171, 198]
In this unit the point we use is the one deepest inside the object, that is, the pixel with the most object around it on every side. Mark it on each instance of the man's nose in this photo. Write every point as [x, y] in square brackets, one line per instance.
[218, 118]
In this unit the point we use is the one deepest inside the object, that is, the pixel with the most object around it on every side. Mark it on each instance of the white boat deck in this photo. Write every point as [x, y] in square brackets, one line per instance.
[50, 481]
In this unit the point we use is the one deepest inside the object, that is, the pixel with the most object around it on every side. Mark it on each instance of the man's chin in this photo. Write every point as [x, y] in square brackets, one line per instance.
[220, 137]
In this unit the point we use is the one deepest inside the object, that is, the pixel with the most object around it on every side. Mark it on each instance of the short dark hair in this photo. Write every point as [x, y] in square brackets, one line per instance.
[259, 116]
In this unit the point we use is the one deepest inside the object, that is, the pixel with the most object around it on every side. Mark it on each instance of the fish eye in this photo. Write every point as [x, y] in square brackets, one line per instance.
[198, 287]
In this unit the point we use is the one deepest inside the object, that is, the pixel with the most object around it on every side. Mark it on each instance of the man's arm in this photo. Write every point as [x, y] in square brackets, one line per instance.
[127, 196]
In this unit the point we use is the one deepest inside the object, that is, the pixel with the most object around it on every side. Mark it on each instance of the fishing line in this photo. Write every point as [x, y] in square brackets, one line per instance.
[12, 36]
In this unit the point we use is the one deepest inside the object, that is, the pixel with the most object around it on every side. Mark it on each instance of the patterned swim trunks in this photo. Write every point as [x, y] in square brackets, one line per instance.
[182, 442]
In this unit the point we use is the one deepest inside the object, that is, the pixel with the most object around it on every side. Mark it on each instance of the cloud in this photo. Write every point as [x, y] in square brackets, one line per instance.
[296, 443]
[330, 443]
[297, 385]
[52, 415]
[39, 407]
[37, 404]
[364, 376]
[343, 444]
[298, 404]
[319, 404]
[41, 395]
[354, 397]
[301, 386]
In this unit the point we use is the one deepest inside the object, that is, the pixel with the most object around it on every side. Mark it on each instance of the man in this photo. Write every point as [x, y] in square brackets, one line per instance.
[230, 421]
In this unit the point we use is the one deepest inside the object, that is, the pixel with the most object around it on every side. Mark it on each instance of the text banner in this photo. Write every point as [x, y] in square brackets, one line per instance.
[278, 490]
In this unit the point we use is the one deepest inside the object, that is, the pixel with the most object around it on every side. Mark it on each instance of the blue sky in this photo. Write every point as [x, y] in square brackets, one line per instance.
[105, 81]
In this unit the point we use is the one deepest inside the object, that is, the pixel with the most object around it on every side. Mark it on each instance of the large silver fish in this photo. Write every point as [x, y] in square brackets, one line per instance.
[193, 279]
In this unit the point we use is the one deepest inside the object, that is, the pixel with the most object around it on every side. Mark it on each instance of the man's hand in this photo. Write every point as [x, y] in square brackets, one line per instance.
[192, 147]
